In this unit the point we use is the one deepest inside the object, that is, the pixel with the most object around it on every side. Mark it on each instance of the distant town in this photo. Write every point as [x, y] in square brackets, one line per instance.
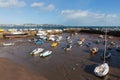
[28, 25]
[51, 25]
[57, 26]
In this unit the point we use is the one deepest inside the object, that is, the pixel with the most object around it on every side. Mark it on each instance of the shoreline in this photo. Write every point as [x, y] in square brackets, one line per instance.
[7, 34]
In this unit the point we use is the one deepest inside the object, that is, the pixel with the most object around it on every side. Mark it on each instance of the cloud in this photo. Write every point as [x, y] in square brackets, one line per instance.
[35, 4]
[11, 3]
[50, 7]
[42, 6]
[86, 17]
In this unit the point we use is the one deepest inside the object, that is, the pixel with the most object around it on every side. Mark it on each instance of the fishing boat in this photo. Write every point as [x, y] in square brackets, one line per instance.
[46, 53]
[103, 69]
[37, 51]
[54, 44]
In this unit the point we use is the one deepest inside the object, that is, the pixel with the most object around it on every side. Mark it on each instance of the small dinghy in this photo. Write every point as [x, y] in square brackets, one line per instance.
[54, 44]
[67, 38]
[46, 53]
[37, 51]
[102, 70]
[97, 41]
[79, 43]
[8, 44]
[94, 50]
[110, 37]
[58, 38]
[39, 41]
[69, 41]
[82, 39]
[112, 43]
[110, 47]
[101, 36]
[68, 47]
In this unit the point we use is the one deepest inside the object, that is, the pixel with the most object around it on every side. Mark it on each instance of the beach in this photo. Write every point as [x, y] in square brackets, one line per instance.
[77, 64]
[13, 71]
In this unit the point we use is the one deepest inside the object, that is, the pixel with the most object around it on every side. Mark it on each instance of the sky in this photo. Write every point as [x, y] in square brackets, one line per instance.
[63, 12]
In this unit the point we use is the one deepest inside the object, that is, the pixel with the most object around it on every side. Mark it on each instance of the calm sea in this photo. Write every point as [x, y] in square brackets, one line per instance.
[56, 27]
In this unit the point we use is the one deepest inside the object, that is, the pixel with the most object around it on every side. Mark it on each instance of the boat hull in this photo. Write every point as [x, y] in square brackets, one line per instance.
[101, 70]
[37, 51]
[54, 44]
[45, 54]
[14, 35]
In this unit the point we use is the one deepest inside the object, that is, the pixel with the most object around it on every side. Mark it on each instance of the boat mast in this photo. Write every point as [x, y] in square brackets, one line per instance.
[105, 43]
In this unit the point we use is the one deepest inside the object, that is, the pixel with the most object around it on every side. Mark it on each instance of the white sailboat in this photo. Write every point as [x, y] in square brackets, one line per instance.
[102, 69]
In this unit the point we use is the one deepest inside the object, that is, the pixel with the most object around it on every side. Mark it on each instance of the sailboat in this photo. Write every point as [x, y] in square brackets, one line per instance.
[103, 69]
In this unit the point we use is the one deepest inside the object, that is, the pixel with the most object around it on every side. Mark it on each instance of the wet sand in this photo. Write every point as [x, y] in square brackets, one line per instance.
[12, 71]
[77, 64]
